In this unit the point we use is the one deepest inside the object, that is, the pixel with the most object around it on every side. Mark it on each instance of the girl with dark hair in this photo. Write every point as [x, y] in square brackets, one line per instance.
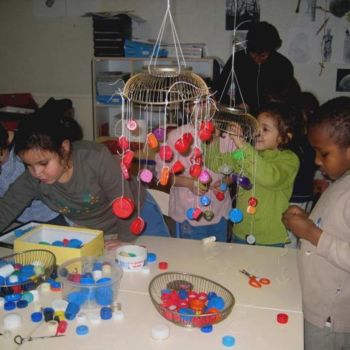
[78, 179]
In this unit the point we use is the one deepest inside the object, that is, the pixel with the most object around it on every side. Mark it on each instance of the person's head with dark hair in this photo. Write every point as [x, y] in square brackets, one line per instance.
[278, 125]
[45, 144]
[309, 104]
[262, 39]
[329, 135]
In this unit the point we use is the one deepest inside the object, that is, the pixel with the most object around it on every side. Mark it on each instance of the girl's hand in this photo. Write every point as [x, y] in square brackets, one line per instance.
[296, 220]
[236, 134]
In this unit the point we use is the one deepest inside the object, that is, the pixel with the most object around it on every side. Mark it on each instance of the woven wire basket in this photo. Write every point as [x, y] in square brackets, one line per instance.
[176, 281]
[43, 261]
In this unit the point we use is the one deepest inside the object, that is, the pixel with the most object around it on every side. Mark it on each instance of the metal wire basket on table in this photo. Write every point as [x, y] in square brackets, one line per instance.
[174, 282]
[41, 262]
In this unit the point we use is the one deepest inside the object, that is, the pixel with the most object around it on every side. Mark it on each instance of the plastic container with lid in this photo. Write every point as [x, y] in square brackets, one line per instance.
[79, 285]
[131, 257]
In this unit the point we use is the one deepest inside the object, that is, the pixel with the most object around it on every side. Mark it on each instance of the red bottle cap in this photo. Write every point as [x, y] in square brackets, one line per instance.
[127, 158]
[137, 226]
[123, 143]
[163, 265]
[178, 167]
[205, 135]
[125, 171]
[165, 153]
[123, 207]
[282, 318]
[188, 138]
[220, 196]
[195, 170]
[252, 201]
[196, 214]
[207, 125]
[182, 146]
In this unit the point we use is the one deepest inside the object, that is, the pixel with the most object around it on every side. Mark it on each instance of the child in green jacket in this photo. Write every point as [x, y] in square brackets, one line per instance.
[265, 175]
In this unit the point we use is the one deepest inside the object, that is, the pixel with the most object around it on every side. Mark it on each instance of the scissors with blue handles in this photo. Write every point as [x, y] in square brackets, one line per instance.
[19, 340]
[254, 281]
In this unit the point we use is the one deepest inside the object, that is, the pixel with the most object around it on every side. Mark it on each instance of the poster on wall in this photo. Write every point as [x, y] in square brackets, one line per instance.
[241, 13]
[320, 33]
[343, 80]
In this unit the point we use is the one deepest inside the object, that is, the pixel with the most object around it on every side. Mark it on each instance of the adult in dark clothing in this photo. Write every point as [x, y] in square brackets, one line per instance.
[255, 69]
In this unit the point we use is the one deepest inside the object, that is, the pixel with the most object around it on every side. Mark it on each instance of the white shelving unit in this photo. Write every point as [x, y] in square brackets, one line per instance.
[106, 114]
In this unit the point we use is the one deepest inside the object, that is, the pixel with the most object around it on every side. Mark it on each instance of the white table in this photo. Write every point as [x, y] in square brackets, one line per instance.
[252, 321]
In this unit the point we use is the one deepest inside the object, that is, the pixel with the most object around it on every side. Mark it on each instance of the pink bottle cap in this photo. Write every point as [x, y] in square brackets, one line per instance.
[132, 125]
[146, 175]
[204, 177]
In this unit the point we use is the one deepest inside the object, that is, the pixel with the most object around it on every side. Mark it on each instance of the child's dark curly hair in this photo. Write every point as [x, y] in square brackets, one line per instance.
[335, 116]
[288, 120]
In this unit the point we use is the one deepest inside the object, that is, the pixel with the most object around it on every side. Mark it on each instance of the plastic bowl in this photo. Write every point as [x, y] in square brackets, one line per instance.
[189, 300]
[131, 257]
[90, 282]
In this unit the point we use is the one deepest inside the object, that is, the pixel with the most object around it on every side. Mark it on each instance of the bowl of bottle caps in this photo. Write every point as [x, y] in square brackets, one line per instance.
[190, 300]
[24, 271]
[90, 282]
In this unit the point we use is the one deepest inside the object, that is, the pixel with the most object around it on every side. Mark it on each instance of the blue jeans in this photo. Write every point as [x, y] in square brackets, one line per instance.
[238, 240]
[219, 230]
[153, 217]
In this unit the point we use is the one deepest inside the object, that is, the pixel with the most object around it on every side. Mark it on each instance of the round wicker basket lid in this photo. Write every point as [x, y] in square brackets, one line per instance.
[161, 85]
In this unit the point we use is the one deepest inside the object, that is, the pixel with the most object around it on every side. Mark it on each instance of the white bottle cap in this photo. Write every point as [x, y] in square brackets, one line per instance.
[12, 321]
[35, 294]
[209, 239]
[59, 304]
[118, 315]
[6, 270]
[160, 332]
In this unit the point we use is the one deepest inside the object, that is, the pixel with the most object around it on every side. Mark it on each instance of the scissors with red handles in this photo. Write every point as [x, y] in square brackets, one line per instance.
[255, 281]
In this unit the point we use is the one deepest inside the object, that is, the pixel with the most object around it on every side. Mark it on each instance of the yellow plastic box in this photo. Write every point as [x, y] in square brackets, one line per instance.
[93, 242]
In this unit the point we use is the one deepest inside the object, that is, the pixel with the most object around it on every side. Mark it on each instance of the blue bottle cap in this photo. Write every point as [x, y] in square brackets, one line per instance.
[71, 311]
[223, 187]
[36, 316]
[236, 215]
[205, 200]
[13, 297]
[28, 297]
[9, 305]
[217, 303]
[82, 330]
[228, 341]
[58, 243]
[189, 213]
[151, 257]
[106, 313]
[22, 304]
[76, 297]
[207, 329]
[97, 266]
[75, 243]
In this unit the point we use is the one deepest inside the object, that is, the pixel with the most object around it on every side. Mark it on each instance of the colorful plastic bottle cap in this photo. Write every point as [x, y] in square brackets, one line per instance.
[9, 305]
[165, 153]
[244, 182]
[151, 257]
[252, 201]
[159, 133]
[220, 196]
[196, 213]
[125, 171]
[35, 294]
[106, 313]
[160, 332]
[163, 265]
[251, 210]
[208, 215]
[223, 186]
[82, 330]
[205, 135]
[59, 304]
[94, 318]
[189, 213]
[204, 200]
[164, 175]
[22, 304]
[137, 226]
[146, 175]
[228, 341]
[182, 146]
[204, 177]
[207, 329]
[282, 318]
[127, 158]
[236, 215]
[178, 167]
[250, 239]
[97, 274]
[188, 138]
[123, 207]
[13, 297]
[208, 125]
[36, 317]
[118, 315]
[12, 321]
[132, 125]
[238, 154]
[123, 143]
[152, 141]
[195, 170]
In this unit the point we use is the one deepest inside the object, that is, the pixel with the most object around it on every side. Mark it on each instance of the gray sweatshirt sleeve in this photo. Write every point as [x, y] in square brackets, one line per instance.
[17, 198]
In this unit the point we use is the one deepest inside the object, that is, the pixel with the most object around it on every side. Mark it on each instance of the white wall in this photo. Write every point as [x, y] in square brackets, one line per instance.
[51, 56]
